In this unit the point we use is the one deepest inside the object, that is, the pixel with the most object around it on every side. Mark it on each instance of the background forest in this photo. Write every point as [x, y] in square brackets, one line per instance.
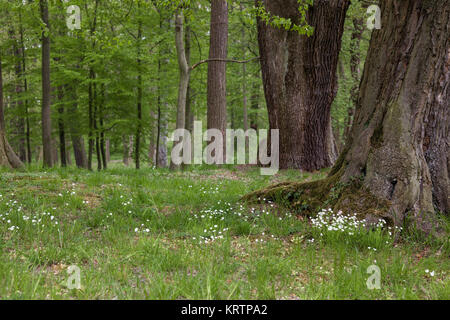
[92, 207]
[96, 72]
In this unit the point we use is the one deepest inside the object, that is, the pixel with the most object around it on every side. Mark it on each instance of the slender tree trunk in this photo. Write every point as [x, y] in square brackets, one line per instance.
[254, 106]
[102, 128]
[300, 83]
[77, 139]
[108, 150]
[8, 158]
[189, 121]
[244, 83]
[19, 121]
[161, 141]
[184, 78]
[91, 120]
[25, 87]
[137, 153]
[153, 138]
[217, 91]
[92, 93]
[46, 88]
[61, 127]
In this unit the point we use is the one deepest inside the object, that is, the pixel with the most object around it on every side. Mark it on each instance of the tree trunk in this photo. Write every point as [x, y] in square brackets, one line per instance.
[161, 139]
[153, 138]
[46, 88]
[7, 156]
[396, 164]
[217, 92]
[189, 117]
[77, 139]
[254, 101]
[61, 127]
[107, 150]
[300, 82]
[137, 154]
[102, 128]
[400, 140]
[127, 149]
[19, 121]
[184, 78]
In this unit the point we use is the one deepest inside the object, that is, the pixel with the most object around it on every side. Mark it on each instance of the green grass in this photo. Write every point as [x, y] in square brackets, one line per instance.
[194, 240]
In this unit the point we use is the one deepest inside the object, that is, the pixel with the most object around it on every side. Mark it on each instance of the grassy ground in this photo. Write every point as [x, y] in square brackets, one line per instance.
[155, 234]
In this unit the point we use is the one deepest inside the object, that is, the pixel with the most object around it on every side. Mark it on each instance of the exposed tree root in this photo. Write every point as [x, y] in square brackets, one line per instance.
[310, 197]
[8, 158]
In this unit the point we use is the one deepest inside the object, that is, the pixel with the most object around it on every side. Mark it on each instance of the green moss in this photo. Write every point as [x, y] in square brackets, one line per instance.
[310, 197]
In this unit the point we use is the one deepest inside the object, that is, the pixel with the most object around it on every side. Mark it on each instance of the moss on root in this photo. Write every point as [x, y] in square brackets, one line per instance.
[310, 197]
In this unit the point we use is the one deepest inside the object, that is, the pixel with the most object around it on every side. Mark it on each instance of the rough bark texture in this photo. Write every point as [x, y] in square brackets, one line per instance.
[75, 135]
[7, 156]
[217, 92]
[137, 153]
[397, 162]
[163, 106]
[300, 83]
[46, 88]
[19, 122]
[184, 78]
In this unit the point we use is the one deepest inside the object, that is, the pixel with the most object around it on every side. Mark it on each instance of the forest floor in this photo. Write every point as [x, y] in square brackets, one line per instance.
[155, 234]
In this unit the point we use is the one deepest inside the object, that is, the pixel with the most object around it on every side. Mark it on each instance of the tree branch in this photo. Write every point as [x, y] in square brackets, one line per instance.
[223, 60]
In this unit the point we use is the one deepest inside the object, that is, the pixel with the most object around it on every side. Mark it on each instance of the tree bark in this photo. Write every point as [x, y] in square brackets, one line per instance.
[400, 140]
[19, 121]
[46, 88]
[300, 82]
[161, 139]
[217, 94]
[77, 139]
[137, 153]
[61, 127]
[396, 165]
[8, 158]
[184, 78]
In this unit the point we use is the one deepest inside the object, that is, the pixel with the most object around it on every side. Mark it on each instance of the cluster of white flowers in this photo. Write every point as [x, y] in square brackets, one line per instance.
[14, 214]
[126, 204]
[328, 221]
[226, 209]
[431, 274]
[212, 234]
[211, 190]
[142, 229]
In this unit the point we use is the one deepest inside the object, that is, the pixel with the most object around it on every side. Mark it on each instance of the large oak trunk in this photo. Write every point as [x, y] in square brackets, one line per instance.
[217, 92]
[396, 165]
[300, 81]
[400, 139]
